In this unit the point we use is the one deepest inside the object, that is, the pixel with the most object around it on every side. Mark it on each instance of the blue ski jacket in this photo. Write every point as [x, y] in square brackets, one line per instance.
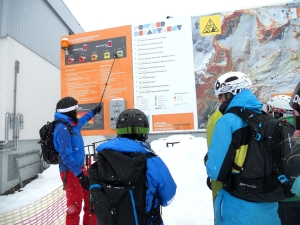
[70, 147]
[159, 178]
[224, 146]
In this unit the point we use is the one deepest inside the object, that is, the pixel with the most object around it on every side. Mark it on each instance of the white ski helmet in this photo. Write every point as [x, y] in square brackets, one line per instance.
[233, 82]
[280, 104]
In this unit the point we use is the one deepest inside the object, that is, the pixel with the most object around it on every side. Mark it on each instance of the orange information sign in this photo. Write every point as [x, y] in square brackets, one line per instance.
[287, 93]
[95, 61]
[169, 122]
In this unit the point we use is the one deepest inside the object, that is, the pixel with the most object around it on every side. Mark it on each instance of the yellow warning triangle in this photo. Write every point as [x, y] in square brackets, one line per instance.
[210, 27]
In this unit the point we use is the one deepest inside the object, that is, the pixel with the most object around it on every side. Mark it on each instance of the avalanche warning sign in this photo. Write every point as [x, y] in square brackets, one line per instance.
[210, 25]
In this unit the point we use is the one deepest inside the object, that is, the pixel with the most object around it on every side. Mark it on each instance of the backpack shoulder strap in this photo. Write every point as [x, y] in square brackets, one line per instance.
[253, 119]
[65, 123]
[244, 113]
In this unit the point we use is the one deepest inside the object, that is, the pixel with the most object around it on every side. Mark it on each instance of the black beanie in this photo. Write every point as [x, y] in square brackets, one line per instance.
[66, 104]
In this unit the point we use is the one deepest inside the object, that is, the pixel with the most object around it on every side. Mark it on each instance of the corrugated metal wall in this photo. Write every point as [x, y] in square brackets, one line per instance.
[38, 25]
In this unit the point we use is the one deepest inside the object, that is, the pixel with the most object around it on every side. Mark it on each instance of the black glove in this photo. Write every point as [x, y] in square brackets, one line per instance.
[208, 183]
[84, 181]
[97, 109]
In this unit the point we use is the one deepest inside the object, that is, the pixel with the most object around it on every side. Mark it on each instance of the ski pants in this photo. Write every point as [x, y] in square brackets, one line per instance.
[75, 196]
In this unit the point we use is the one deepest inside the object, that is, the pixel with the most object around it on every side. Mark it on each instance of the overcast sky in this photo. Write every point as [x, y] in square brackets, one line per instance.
[98, 14]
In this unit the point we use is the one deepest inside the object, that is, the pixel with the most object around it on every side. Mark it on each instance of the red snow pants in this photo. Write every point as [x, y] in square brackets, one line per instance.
[75, 195]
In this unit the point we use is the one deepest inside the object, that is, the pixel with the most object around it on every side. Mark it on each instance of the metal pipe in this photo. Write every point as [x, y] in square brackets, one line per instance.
[21, 120]
[11, 121]
[17, 69]
[16, 135]
[7, 121]
[15, 120]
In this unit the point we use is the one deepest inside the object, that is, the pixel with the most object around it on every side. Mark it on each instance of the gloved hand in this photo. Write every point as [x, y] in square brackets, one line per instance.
[84, 181]
[208, 183]
[97, 109]
[296, 187]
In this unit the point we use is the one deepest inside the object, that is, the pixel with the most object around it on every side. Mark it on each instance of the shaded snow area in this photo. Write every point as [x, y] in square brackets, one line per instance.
[192, 204]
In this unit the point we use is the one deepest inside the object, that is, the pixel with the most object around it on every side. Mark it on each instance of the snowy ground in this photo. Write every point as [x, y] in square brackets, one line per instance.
[192, 204]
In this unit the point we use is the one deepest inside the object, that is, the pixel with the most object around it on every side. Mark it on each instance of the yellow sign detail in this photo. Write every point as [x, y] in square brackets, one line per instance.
[106, 55]
[210, 25]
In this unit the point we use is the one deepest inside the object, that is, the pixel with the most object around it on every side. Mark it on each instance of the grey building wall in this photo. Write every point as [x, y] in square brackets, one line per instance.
[30, 32]
[38, 25]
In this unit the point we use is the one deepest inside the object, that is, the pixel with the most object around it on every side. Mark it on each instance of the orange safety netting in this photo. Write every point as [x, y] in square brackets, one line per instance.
[49, 210]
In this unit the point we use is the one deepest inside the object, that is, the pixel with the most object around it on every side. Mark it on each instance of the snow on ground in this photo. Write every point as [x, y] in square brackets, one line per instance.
[193, 201]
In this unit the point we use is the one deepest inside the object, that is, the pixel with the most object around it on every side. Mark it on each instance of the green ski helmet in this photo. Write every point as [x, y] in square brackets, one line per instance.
[133, 124]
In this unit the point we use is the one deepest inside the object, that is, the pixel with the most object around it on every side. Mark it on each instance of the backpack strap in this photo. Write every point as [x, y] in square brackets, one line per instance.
[154, 215]
[246, 114]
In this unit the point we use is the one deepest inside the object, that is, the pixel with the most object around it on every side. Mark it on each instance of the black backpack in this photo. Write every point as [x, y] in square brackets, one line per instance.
[270, 166]
[118, 187]
[49, 153]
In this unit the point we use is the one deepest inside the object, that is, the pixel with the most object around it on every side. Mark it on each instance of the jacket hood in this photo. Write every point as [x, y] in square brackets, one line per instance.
[246, 99]
[59, 116]
[125, 145]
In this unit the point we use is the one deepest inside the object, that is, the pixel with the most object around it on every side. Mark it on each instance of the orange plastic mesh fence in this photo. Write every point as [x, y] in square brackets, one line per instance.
[50, 210]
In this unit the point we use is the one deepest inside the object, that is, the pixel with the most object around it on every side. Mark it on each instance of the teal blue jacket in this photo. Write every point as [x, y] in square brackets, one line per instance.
[230, 210]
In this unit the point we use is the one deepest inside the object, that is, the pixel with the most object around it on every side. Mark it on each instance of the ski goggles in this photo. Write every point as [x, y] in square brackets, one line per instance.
[272, 109]
[227, 95]
[277, 110]
[67, 109]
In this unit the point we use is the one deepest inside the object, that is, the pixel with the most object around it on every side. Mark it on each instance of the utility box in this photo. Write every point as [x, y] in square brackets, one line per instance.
[116, 106]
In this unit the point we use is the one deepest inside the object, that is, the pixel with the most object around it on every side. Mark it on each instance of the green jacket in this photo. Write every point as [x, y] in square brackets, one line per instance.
[212, 120]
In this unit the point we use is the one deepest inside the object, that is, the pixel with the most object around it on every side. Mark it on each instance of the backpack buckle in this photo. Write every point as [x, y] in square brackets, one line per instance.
[282, 179]
[257, 136]
[113, 212]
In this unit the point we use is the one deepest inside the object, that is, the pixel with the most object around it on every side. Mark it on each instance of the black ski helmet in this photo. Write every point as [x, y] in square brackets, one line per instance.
[133, 124]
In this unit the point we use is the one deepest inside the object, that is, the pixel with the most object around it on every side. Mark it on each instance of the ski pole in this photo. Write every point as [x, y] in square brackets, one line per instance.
[89, 157]
[115, 56]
